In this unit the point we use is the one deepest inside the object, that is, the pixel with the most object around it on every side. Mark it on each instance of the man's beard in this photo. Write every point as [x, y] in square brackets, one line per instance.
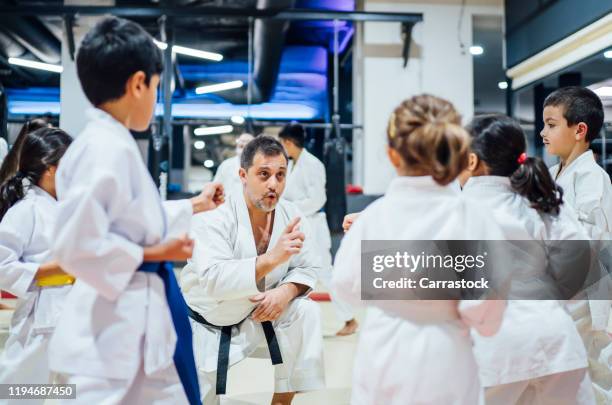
[265, 206]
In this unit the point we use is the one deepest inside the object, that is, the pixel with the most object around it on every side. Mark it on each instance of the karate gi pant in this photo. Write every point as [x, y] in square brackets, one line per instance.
[567, 388]
[299, 335]
[344, 312]
[25, 361]
[163, 388]
[598, 345]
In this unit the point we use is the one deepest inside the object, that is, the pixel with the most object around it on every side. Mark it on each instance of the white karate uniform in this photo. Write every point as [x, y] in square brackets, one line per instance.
[227, 174]
[25, 244]
[588, 191]
[3, 149]
[306, 189]
[417, 352]
[115, 339]
[537, 345]
[218, 282]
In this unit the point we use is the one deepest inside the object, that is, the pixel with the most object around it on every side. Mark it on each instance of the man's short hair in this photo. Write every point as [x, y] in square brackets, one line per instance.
[110, 54]
[293, 132]
[264, 144]
[579, 104]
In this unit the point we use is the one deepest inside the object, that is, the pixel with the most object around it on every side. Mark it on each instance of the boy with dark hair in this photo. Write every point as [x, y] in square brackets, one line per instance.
[124, 336]
[573, 117]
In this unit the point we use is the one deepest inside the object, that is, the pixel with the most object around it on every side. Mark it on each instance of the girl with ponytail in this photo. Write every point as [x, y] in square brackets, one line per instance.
[11, 161]
[499, 148]
[27, 215]
[401, 341]
[521, 193]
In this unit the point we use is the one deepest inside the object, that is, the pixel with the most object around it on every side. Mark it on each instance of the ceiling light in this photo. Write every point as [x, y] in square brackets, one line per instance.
[196, 53]
[476, 50]
[222, 129]
[36, 65]
[604, 91]
[199, 145]
[236, 84]
[502, 85]
[608, 54]
[209, 163]
[237, 119]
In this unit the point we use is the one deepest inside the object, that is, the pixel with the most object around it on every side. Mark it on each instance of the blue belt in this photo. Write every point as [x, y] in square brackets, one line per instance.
[183, 353]
[224, 347]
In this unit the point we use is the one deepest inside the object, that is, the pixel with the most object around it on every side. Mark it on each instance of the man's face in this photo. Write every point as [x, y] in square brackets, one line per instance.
[264, 181]
[559, 138]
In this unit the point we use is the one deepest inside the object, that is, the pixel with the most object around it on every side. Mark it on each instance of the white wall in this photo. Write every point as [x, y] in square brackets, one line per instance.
[437, 66]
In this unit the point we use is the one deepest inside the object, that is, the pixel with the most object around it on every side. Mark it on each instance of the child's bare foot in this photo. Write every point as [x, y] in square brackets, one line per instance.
[349, 328]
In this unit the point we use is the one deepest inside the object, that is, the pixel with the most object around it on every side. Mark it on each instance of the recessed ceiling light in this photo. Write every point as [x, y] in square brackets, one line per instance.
[221, 129]
[196, 53]
[209, 163]
[476, 50]
[604, 91]
[237, 119]
[199, 145]
[213, 88]
[36, 65]
[502, 85]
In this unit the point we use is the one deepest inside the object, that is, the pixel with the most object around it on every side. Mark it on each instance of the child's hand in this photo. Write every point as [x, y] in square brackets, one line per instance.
[211, 197]
[173, 250]
[348, 221]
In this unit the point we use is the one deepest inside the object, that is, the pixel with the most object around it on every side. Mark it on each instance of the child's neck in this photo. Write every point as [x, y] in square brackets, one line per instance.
[48, 187]
[118, 110]
[577, 150]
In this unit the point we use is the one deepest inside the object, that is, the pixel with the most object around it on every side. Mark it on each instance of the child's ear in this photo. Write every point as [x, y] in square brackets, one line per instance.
[581, 131]
[394, 157]
[51, 171]
[136, 84]
[472, 162]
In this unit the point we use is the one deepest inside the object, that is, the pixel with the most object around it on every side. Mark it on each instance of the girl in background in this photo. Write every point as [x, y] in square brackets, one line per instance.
[11, 161]
[27, 216]
[417, 351]
[537, 357]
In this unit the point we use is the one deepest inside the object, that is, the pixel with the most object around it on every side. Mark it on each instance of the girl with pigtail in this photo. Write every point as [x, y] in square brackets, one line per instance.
[27, 215]
[537, 356]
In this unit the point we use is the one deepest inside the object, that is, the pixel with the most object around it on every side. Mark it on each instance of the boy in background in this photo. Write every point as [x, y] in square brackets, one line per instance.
[573, 118]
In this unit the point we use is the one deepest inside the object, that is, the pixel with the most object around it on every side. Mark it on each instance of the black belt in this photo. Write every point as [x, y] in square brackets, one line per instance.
[224, 347]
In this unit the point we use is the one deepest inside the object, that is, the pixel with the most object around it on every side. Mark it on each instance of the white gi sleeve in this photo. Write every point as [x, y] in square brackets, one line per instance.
[85, 244]
[16, 275]
[178, 217]
[304, 266]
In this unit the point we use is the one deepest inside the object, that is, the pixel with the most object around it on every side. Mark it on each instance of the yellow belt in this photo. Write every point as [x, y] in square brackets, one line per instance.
[55, 280]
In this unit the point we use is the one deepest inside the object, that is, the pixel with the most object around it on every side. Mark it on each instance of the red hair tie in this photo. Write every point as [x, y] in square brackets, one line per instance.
[522, 158]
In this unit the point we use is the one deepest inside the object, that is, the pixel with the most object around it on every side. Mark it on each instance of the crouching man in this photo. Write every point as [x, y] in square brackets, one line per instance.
[252, 266]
